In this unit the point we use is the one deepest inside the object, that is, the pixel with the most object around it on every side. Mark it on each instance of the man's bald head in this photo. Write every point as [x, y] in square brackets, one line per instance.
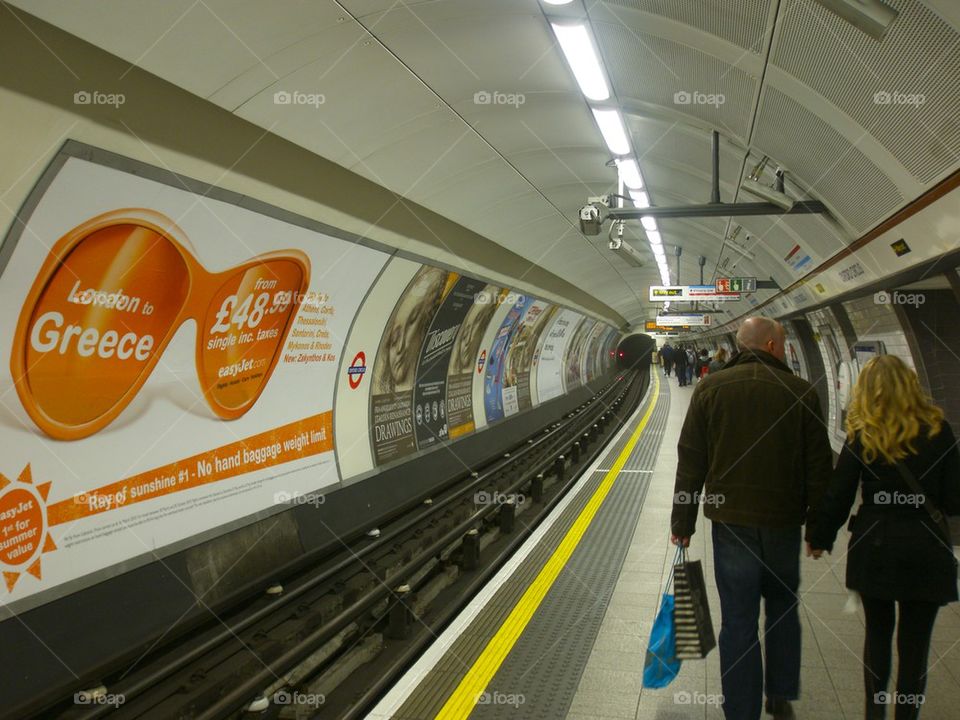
[761, 333]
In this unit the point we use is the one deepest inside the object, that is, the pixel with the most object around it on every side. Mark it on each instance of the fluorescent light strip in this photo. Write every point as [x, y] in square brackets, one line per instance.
[630, 172]
[649, 223]
[614, 134]
[640, 198]
[578, 48]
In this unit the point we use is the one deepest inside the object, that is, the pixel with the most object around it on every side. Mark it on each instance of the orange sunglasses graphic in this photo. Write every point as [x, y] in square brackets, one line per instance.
[111, 294]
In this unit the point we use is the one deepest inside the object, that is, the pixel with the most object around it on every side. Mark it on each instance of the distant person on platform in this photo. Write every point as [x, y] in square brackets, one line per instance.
[718, 362]
[754, 451]
[680, 364]
[666, 354]
[703, 363]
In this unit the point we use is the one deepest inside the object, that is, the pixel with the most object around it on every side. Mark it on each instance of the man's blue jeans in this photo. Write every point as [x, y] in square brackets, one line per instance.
[750, 564]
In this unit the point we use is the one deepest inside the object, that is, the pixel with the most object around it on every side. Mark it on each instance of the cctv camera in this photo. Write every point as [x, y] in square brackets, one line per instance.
[765, 192]
[590, 221]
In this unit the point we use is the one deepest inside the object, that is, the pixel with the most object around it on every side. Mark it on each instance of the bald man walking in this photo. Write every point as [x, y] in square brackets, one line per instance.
[754, 452]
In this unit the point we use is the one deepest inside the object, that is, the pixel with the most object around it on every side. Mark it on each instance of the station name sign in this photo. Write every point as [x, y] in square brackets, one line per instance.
[689, 293]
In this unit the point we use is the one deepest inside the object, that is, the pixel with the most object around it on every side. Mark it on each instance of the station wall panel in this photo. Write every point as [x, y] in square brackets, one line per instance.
[181, 366]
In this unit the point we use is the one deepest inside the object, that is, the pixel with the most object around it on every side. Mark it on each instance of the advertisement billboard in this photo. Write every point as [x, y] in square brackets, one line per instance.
[394, 373]
[550, 367]
[168, 353]
[430, 398]
[465, 359]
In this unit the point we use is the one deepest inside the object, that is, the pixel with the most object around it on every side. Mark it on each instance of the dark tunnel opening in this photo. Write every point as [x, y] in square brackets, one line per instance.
[635, 351]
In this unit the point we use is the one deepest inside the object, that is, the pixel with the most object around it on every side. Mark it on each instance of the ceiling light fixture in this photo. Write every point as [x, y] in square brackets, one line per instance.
[640, 198]
[614, 134]
[583, 59]
[649, 223]
[630, 172]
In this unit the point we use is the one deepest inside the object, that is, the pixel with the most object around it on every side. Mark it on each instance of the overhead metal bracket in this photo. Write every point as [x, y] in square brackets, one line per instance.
[593, 215]
[801, 207]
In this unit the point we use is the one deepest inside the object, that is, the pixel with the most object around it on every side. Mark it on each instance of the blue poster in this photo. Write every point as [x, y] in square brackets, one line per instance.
[493, 380]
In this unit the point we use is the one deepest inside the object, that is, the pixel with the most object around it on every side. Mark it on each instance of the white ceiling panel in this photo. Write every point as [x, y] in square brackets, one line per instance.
[741, 22]
[918, 62]
[200, 46]
[468, 107]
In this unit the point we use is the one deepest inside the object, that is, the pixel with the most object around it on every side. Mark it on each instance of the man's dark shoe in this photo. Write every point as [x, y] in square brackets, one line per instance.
[780, 709]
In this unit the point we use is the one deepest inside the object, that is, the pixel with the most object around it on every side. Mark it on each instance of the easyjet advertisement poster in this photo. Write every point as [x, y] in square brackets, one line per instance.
[170, 368]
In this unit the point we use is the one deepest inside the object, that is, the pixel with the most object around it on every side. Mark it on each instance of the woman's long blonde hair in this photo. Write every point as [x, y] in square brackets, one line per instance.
[888, 409]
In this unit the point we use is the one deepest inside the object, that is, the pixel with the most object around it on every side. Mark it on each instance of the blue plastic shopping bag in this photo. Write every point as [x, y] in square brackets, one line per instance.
[661, 664]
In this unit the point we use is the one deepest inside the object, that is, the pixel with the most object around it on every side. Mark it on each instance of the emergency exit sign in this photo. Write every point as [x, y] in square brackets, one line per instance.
[737, 284]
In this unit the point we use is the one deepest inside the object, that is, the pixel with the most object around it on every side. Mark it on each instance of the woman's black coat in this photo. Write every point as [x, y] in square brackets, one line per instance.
[896, 551]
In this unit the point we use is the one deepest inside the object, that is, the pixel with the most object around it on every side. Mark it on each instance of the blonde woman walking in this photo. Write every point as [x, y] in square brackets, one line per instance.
[898, 555]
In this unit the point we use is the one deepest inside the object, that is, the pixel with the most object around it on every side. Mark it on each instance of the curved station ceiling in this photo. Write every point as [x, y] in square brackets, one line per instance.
[473, 109]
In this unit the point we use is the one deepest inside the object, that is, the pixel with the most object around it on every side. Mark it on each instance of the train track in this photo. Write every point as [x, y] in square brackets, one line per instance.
[328, 641]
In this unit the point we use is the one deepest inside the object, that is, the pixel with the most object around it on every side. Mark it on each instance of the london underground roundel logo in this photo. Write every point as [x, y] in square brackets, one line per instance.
[356, 370]
[480, 361]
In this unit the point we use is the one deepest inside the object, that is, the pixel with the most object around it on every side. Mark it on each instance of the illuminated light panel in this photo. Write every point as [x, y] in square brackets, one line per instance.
[630, 172]
[578, 49]
[640, 198]
[614, 134]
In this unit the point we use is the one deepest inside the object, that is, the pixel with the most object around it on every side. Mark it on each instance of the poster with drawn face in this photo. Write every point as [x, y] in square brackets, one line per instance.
[521, 351]
[464, 360]
[429, 402]
[571, 363]
[394, 373]
[590, 362]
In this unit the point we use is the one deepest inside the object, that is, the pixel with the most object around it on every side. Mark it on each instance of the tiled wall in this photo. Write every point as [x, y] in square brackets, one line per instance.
[934, 324]
[875, 320]
[823, 323]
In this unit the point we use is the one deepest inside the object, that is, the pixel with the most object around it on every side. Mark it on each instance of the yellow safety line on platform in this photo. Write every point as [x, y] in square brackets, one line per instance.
[461, 703]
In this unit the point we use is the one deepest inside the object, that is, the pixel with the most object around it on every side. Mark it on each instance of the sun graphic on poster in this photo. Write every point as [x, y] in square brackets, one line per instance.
[23, 527]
